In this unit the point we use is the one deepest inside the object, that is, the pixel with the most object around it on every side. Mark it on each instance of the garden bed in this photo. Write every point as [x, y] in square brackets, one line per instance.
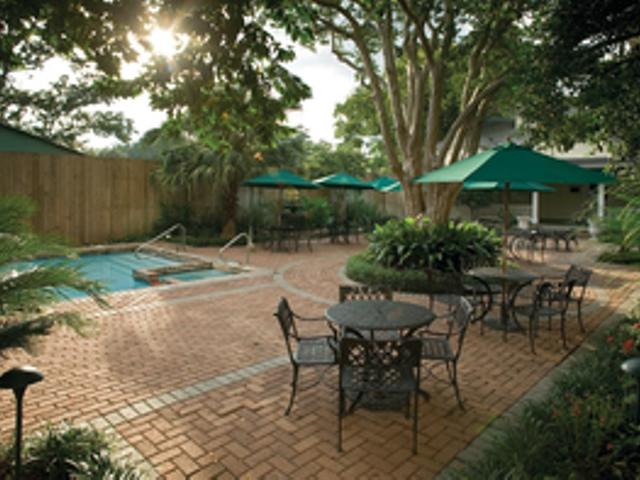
[583, 429]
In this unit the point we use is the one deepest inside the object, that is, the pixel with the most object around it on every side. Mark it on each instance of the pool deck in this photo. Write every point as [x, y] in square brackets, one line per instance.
[192, 381]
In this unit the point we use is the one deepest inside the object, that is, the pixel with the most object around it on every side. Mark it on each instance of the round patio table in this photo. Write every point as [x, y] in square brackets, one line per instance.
[510, 279]
[379, 315]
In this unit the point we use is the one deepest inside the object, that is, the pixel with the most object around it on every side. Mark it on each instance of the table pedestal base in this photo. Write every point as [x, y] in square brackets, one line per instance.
[499, 324]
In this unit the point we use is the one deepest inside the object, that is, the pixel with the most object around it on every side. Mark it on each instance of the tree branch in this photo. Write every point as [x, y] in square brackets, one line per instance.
[419, 22]
[395, 95]
[370, 70]
[468, 110]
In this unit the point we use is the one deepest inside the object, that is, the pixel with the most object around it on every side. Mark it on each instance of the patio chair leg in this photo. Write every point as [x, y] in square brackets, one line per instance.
[340, 415]
[580, 317]
[454, 381]
[562, 331]
[415, 423]
[294, 386]
[407, 412]
[532, 340]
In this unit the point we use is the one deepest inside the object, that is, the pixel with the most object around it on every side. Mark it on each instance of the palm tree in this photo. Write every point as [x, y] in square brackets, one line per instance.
[26, 294]
[192, 163]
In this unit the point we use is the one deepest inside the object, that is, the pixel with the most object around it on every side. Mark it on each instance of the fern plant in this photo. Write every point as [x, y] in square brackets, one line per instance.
[27, 293]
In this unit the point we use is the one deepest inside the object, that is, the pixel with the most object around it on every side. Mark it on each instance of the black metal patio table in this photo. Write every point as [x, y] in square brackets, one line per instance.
[380, 315]
[510, 279]
[376, 315]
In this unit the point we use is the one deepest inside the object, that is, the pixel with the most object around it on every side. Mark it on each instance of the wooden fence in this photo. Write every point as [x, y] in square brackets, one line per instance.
[86, 200]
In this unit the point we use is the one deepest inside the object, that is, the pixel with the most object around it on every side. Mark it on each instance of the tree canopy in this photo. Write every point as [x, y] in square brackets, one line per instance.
[95, 37]
[583, 82]
[409, 56]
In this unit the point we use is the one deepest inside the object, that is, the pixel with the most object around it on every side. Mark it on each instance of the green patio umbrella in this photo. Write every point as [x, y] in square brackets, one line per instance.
[278, 179]
[381, 183]
[393, 187]
[342, 180]
[510, 163]
[520, 186]
[385, 185]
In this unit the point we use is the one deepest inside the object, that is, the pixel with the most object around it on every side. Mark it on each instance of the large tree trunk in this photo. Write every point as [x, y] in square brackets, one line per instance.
[440, 201]
[229, 204]
[413, 198]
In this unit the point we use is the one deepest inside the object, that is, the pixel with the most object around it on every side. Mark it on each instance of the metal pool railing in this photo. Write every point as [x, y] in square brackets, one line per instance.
[235, 240]
[164, 235]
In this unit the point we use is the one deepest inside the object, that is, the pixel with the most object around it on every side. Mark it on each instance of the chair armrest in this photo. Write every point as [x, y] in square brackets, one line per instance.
[334, 330]
[309, 319]
[433, 333]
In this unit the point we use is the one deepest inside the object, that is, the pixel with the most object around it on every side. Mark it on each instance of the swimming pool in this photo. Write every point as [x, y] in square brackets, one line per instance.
[195, 275]
[114, 270]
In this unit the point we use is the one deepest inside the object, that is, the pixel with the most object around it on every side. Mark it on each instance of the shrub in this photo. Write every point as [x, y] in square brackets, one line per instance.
[610, 227]
[63, 452]
[317, 211]
[362, 213]
[622, 258]
[416, 244]
[582, 429]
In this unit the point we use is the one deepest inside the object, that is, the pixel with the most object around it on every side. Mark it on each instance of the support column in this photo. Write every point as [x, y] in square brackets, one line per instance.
[601, 200]
[535, 207]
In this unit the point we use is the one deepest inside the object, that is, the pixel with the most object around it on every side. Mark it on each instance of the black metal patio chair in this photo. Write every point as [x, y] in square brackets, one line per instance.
[579, 277]
[379, 367]
[446, 346]
[531, 301]
[477, 291]
[347, 293]
[309, 351]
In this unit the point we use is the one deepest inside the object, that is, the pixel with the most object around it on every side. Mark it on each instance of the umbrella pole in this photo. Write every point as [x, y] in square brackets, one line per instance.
[251, 214]
[279, 219]
[505, 228]
[505, 224]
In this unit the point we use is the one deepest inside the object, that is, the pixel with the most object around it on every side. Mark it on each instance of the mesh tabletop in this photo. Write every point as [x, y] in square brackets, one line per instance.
[379, 315]
[514, 275]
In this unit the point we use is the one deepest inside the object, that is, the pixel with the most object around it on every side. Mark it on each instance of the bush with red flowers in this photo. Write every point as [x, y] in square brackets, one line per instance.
[584, 429]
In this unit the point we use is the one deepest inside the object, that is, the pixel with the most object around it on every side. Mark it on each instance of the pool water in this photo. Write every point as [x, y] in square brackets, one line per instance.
[114, 270]
[195, 275]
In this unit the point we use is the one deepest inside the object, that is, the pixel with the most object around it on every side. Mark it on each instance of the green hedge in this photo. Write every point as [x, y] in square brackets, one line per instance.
[622, 258]
[360, 269]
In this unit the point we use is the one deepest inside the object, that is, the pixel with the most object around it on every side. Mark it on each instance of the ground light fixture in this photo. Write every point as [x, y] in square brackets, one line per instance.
[18, 379]
[632, 367]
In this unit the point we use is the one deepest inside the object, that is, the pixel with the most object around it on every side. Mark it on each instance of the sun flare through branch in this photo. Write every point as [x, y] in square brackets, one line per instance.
[163, 42]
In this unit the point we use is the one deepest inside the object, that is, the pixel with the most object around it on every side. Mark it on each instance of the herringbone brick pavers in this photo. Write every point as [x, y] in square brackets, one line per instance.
[181, 374]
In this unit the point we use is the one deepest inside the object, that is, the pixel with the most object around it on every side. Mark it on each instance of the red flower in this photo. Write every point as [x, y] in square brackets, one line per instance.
[628, 345]
[636, 325]
[609, 446]
[609, 339]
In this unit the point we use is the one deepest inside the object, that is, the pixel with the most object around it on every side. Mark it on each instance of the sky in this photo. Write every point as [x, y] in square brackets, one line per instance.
[330, 82]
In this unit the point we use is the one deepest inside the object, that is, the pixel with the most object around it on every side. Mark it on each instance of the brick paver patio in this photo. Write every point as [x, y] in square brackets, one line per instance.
[192, 380]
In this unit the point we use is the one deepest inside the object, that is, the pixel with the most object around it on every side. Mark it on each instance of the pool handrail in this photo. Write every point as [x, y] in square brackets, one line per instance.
[235, 240]
[165, 234]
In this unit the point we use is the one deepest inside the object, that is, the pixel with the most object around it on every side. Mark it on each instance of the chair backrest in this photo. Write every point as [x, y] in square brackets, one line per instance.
[479, 293]
[546, 293]
[363, 292]
[580, 277]
[376, 365]
[459, 322]
[287, 323]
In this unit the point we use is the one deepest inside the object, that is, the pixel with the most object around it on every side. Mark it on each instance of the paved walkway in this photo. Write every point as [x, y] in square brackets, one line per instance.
[192, 381]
